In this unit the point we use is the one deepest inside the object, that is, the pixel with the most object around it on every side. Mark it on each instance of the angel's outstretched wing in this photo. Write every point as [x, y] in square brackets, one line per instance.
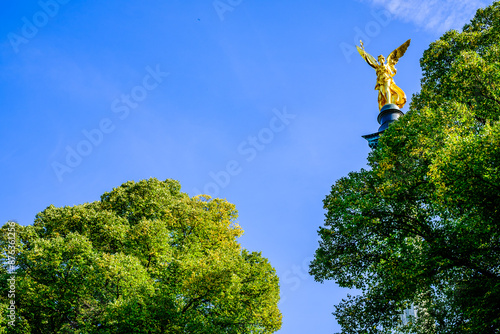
[367, 57]
[398, 53]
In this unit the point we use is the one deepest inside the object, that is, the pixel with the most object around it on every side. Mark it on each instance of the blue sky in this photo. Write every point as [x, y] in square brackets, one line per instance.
[262, 103]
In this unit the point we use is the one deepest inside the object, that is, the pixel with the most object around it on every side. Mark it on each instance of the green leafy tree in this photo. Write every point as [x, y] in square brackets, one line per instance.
[422, 226]
[146, 258]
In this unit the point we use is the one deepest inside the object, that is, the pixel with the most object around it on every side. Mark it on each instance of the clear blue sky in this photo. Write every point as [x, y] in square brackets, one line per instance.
[260, 102]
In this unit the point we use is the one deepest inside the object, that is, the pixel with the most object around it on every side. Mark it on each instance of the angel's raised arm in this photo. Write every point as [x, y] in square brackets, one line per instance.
[367, 57]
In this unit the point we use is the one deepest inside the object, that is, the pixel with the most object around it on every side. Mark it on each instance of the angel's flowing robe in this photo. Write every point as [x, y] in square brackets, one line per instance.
[384, 75]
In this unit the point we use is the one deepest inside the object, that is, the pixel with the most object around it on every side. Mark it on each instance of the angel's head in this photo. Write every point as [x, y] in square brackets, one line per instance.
[381, 59]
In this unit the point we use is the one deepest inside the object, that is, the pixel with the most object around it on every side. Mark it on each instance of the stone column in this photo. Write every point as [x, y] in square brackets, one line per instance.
[388, 114]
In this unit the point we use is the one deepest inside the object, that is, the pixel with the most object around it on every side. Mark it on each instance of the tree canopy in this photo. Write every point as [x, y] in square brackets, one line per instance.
[146, 258]
[422, 226]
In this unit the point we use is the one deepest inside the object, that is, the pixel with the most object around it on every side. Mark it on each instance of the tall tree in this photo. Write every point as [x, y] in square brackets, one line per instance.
[146, 258]
[422, 226]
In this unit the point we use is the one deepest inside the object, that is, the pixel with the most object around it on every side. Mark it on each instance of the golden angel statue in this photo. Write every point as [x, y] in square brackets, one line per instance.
[388, 92]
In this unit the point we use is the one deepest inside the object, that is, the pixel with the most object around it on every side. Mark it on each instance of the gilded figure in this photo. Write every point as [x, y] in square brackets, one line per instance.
[388, 92]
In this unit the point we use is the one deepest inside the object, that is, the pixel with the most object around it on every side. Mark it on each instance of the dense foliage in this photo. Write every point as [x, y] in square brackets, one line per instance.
[146, 258]
[422, 226]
